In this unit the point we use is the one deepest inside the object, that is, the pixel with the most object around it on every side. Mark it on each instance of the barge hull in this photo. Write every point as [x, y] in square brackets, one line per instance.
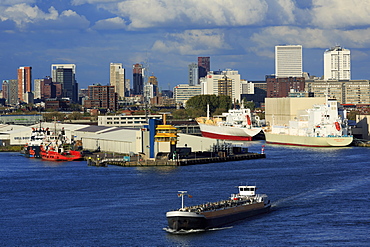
[192, 223]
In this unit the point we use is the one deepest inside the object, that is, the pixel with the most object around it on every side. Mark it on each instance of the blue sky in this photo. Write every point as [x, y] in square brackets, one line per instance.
[170, 34]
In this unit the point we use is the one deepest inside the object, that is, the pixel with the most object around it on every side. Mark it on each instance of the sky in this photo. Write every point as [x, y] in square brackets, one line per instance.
[167, 35]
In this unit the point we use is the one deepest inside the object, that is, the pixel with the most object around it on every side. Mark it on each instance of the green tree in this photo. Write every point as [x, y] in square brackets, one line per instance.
[180, 114]
[249, 104]
[352, 115]
[194, 113]
[201, 101]
[75, 115]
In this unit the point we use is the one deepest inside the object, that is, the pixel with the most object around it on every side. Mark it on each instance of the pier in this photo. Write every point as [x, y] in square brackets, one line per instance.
[105, 160]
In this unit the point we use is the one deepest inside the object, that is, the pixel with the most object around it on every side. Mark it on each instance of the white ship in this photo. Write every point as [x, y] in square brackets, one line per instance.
[324, 125]
[236, 124]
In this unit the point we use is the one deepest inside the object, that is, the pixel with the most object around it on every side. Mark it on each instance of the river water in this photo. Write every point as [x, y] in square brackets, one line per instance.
[320, 197]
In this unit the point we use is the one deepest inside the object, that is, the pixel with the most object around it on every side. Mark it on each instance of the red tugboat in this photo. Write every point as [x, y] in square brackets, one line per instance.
[69, 155]
[59, 150]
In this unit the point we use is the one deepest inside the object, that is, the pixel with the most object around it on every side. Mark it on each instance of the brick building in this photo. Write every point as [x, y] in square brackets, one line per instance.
[102, 97]
[281, 86]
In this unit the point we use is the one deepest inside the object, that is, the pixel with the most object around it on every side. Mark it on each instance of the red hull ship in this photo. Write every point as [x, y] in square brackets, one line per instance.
[70, 155]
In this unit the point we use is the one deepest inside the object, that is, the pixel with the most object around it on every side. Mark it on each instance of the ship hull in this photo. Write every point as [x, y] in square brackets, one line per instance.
[283, 139]
[32, 152]
[55, 156]
[178, 220]
[228, 132]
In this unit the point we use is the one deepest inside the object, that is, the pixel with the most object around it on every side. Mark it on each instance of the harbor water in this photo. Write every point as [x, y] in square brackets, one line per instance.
[320, 197]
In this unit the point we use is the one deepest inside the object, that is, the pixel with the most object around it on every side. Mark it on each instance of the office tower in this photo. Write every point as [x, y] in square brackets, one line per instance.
[280, 87]
[204, 66]
[288, 61]
[215, 83]
[24, 82]
[127, 88]
[138, 79]
[65, 74]
[337, 64]
[154, 81]
[50, 89]
[10, 91]
[193, 74]
[102, 97]
[225, 86]
[5, 88]
[183, 92]
[37, 86]
[117, 78]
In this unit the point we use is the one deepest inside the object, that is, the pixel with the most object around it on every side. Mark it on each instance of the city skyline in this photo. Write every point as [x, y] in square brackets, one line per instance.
[169, 35]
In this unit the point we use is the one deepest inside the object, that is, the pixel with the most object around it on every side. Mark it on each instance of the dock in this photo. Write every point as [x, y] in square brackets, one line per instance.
[105, 160]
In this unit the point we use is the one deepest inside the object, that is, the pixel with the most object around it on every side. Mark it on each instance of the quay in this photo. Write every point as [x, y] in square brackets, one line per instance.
[105, 160]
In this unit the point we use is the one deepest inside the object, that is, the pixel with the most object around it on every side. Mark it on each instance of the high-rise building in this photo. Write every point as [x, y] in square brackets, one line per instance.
[10, 91]
[50, 89]
[288, 61]
[152, 80]
[102, 97]
[183, 92]
[24, 82]
[138, 79]
[225, 86]
[117, 78]
[5, 88]
[214, 83]
[37, 88]
[337, 64]
[193, 74]
[204, 66]
[345, 91]
[65, 74]
[127, 88]
[280, 87]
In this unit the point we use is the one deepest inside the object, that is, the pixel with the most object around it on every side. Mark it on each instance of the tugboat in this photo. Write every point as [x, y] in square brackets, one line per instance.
[33, 148]
[211, 215]
[59, 150]
[61, 155]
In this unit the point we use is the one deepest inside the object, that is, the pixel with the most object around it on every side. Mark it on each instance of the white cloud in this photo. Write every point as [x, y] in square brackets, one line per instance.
[189, 13]
[80, 2]
[111, 23]
[340, 13]
[13, 2]
[192, 42]
[24, 15]
[307, 37]
[281, 12]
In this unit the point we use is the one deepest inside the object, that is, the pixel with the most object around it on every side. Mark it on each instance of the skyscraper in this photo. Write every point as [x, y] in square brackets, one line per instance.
[337, 64]
[37, 88]
[24, 82]
[5, 88]
[152, 80]
[288, 61]
[193, 74]
[204, 65]
[65, 74]
[117, 78]
[138, 79]
[222, 83]
[10, 91]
